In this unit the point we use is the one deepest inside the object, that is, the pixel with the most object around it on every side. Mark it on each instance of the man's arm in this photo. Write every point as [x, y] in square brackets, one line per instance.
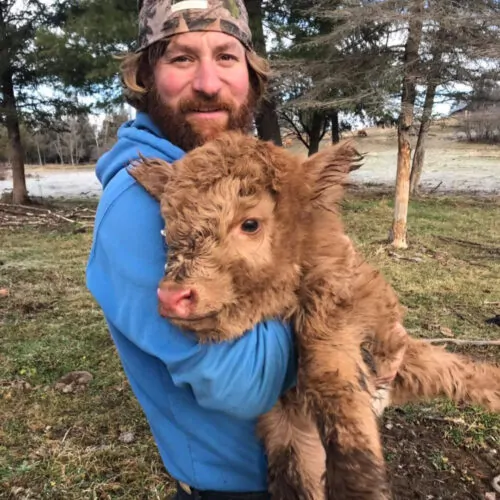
[243, 378]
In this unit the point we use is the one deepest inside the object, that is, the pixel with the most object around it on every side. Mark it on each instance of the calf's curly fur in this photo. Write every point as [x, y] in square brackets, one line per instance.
[254, 233]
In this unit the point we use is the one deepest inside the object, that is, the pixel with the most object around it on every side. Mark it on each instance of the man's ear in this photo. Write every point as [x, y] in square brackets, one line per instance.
[328, 171]
[151, 173]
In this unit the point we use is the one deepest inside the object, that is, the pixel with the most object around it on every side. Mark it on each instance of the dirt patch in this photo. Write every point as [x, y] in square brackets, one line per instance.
[427, 463]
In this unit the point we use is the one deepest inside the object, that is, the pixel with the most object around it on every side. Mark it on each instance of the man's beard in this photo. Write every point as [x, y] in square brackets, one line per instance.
[188, 134]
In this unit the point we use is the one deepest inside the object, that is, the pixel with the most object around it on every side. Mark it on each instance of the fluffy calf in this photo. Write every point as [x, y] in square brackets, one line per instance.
[253, 233]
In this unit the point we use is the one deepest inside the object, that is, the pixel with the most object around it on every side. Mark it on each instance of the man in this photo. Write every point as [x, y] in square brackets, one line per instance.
[194, 75]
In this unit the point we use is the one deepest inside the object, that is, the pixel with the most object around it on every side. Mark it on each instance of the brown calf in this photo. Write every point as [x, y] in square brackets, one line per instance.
[254, 233]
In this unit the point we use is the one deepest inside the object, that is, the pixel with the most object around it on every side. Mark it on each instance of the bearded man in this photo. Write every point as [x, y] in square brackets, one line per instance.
[194, 75]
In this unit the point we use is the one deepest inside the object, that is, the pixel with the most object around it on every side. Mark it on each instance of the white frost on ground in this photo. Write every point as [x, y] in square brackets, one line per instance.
[452, 166]
[57, 183]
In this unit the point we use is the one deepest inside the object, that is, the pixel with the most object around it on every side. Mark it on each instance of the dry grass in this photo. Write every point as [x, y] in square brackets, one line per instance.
[67, 446]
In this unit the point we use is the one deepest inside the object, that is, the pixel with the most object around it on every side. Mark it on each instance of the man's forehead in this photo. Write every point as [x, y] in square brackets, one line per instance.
[212, 40]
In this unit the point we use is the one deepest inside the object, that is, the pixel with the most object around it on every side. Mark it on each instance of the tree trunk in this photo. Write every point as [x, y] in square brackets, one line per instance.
[418, 158]
[19, 190]
[267, 122]
[38, 151]
[334, 118]
[397, 235]
[59, 148]
[315, 132]
[266, 119]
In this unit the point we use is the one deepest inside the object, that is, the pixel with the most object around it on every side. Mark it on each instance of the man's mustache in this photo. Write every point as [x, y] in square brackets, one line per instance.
[205, 105]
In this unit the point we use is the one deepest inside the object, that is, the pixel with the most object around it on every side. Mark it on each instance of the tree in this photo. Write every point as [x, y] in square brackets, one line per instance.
[482, 120]
[410, 66]
[106, 136]
[267, 118]
[75, 139]
[422, 42]
[460, 46]
[17, 27]
[47, 50]
[425, 122]
[335, 63]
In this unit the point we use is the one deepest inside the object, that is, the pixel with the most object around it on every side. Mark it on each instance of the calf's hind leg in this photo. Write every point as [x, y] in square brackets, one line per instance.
[339, 394]
[295, 454]
[384, 355]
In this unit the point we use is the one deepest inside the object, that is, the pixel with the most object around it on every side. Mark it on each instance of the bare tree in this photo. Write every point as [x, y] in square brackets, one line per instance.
[425, 124]
[308, 125]
[459, 40]
[373, 45]
[482, 115]
[398, 231]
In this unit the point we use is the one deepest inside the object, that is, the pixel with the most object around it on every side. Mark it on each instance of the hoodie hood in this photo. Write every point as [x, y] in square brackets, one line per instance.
[135, 136]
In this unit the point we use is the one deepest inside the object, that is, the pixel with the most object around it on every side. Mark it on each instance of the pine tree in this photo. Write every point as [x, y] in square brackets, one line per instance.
[48, 53]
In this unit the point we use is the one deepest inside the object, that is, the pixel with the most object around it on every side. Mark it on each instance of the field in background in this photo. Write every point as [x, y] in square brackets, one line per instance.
[451, 165]
[56, 166]
[95, 443]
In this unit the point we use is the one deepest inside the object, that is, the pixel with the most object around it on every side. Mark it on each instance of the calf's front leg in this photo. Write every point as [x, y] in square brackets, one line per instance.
[295, 453]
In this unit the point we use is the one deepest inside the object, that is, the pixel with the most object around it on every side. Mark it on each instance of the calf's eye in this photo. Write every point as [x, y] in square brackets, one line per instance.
[250, 226]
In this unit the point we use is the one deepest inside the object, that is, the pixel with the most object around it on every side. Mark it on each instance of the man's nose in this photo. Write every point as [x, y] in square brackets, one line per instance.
[207, 80]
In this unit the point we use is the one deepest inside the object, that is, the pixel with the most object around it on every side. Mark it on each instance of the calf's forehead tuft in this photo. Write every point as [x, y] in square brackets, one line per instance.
[231, 155]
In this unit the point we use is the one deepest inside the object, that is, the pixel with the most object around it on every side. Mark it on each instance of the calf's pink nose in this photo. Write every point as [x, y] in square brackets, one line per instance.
[175, 300]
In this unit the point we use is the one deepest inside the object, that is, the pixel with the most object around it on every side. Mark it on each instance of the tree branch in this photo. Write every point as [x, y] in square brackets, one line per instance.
[462, 342]
[295, 128]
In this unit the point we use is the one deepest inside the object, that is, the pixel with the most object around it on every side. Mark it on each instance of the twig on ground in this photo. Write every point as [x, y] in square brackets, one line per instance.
[30, 215]
[451, 420]
[435, 188]
[462, 316]
[400, 257]
[43, 211]
[27, 207]
[462, 341]
[469, 243]
[66, 435]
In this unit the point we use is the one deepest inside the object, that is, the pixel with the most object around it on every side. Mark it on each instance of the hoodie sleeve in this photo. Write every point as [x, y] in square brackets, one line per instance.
[243, 378]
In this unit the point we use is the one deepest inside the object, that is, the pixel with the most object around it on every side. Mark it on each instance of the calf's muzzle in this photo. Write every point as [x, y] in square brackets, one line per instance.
[176, 301]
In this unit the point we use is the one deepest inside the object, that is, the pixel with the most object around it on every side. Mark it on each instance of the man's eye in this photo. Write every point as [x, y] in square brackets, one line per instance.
[250, 226]
[179, 59]
[228, 57]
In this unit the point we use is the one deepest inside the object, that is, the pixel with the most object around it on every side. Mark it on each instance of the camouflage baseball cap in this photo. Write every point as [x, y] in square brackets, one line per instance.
[160, 19]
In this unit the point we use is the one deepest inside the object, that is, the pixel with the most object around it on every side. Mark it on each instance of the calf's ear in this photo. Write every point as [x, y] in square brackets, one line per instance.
[328, 171]
[151, 173]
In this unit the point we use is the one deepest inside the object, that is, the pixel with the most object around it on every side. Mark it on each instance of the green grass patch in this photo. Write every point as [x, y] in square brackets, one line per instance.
[67, 446]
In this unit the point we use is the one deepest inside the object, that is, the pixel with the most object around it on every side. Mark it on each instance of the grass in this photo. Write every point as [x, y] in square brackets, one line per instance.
[67, 446]
[64, 446]
[455, 242]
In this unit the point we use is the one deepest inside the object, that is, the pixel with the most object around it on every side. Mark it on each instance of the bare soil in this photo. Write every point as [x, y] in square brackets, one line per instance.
[430, 458]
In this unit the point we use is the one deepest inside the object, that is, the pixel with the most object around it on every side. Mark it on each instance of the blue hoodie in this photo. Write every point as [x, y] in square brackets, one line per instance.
[201, 401]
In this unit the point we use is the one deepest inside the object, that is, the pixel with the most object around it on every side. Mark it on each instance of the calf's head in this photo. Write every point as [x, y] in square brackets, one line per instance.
[236, 212]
